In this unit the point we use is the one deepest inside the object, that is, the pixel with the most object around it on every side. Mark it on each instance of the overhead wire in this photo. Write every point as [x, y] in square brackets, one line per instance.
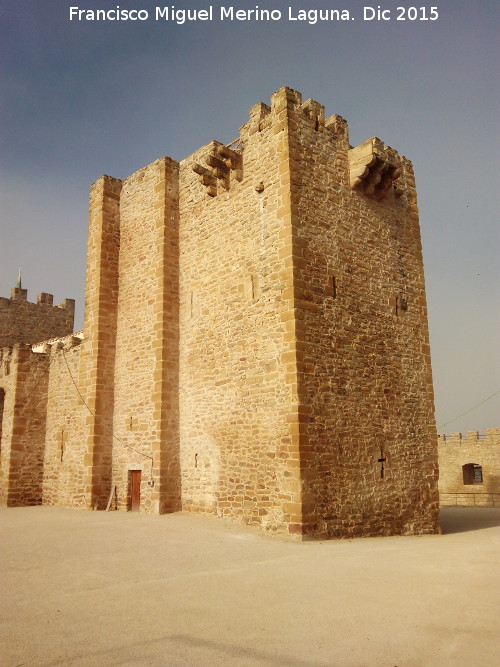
[470, 409]
[104, 426]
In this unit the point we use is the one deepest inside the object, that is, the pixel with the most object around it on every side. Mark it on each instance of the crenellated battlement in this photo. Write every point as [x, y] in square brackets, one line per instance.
[19, 295]
[22, 321]
[262, 116]
[490, 437]
[374, 168]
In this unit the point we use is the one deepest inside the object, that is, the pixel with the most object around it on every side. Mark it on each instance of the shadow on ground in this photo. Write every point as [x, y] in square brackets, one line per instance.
[200, 652]
[465, 519]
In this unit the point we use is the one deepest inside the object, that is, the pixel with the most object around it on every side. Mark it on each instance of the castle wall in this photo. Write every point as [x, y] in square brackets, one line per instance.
[64, 470]
[7, 402]
[23, 382]
[365, 385]
[237, 388]
[25, 322]
[456, 451]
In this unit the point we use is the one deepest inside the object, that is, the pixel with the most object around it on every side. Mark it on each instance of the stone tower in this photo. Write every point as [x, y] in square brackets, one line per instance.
[255, 340]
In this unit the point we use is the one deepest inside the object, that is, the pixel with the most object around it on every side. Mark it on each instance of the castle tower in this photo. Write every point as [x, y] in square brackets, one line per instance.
[268, 334]
[306, 399]
[255, 341]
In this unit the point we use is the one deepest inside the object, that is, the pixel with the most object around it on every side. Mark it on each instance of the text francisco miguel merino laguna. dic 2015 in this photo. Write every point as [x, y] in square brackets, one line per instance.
[312, 16]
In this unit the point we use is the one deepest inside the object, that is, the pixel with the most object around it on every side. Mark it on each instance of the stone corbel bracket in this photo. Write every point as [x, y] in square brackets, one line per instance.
[208, 179]
[373, 168]
[222, 162]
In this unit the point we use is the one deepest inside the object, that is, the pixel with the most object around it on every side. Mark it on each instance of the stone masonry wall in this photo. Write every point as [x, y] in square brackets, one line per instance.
[237, 386]
[64, 472]
[145, 423]
[456, 451]
[25, 322]
[365, 385]
[23, 380]
[7, 402]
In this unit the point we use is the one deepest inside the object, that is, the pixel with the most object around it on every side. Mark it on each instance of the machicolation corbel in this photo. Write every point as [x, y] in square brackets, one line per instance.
[223, 162]
[208, 179]
[373, 169]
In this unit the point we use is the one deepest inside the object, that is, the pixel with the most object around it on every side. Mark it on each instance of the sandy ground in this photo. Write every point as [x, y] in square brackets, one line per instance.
[97, 588]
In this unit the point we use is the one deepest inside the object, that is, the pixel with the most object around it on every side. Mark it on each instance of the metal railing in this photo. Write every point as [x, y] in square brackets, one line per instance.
[485, 499]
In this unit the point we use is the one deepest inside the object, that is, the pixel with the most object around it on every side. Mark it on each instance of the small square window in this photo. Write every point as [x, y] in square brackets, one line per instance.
[472, 473]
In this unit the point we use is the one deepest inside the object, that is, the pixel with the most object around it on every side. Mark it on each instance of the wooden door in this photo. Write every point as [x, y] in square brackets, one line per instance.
[135, 490]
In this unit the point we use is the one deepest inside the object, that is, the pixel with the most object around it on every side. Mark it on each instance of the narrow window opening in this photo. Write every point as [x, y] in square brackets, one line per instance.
[382, 460]
[251, 287]
[194, 304]
[401, 305]
[334, 287]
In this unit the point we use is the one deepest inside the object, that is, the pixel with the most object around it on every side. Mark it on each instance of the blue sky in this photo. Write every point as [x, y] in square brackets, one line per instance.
[80, 99]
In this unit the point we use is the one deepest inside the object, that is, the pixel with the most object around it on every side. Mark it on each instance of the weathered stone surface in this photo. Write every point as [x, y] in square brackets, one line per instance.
[255, 341]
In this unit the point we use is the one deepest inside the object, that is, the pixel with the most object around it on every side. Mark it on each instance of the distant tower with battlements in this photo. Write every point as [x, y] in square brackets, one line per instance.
[25, 322]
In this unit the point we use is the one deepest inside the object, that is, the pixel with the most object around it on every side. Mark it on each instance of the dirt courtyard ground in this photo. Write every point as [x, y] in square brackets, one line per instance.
[96, 588]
